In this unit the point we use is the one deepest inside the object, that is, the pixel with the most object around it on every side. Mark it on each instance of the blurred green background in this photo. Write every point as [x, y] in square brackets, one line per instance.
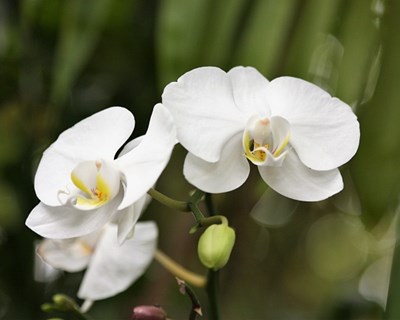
[61, 61]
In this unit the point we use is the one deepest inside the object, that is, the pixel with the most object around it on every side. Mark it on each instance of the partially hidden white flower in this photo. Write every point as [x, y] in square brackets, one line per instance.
[293, 131]
[82, 186]
[110, 267]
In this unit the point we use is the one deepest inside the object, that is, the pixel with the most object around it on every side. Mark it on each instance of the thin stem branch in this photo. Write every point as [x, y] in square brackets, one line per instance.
[196, 307]
[179, 271]
[208, 221]
[169, 202]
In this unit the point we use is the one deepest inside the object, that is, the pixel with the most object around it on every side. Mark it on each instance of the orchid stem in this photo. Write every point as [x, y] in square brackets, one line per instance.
[209, 204]
[208, 221]
[179, 271]
[212, 278]
[211, 289]
[190, 206]
[169, 202]
[198, 215]
[196, 307]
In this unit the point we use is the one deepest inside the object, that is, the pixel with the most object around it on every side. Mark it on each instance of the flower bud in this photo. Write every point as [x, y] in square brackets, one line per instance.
[148, 313]
[215, 246]
[64, 303]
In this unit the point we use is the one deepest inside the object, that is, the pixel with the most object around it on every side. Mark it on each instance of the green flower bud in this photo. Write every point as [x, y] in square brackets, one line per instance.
[64, 303]
[215, 246]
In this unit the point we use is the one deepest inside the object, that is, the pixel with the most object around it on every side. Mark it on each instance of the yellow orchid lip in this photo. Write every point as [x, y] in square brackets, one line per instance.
[252, 150]
[94, 179]
[259, 142]
[96, 196]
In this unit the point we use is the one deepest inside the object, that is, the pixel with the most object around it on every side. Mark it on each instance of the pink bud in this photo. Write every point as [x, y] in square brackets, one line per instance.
[148, 313]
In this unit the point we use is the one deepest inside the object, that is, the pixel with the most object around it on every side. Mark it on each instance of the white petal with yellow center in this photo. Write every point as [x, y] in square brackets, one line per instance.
[98, 182]
[265, 141]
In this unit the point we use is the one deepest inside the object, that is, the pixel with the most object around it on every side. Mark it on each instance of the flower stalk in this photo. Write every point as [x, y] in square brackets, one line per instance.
[212, 277]
[179, 271]
[211, 289]
[182, 206]
[196, 307]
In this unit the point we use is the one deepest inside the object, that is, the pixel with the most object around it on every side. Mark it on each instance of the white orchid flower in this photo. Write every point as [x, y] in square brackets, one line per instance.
[293, 131]
[82, 186]
[110, 267]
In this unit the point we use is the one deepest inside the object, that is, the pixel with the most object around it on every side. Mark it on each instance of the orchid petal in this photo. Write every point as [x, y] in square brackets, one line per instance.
[67, 222]
[70, 255]
[43, 272]
[204, 111]
[142, 166]
[280, 129]
[113, 268]
[130, 146]
[296, 181]
[324, 131]
[250, 91]
[229, 173]
[129, 216]
[96, 137]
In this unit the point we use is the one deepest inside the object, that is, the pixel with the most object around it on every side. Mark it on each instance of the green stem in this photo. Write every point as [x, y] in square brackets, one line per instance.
[209, 204]
[178, 271]
[211, 289]
[198, 215]
[212, 278]
[208, 221]
[197, 196]
[169, 202]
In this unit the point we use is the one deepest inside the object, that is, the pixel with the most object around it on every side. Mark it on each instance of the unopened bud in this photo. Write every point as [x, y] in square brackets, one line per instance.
[63, 302]
[148, 313]
[215, 246]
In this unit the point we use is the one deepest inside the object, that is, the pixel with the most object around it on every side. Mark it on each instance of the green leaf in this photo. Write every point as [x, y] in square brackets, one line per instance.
[81, 27]
[265, 36]
[193, 33]
[376, 165]
[180, 30]
[358, 34]
[311, 50]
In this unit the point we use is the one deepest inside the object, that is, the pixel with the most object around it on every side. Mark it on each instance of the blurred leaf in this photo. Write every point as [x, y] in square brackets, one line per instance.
[12, 143]
[359, 36]
[10, 215]
[81, 27]
[314, 54]
[264, 38]
[195, 33]
[221, 31]
[376, 164]
[180, 36]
